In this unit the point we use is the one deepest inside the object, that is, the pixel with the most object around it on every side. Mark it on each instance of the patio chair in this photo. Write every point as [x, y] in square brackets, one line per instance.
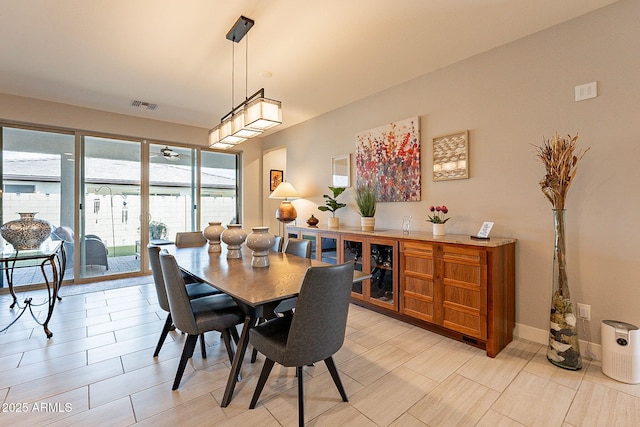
[95, 249]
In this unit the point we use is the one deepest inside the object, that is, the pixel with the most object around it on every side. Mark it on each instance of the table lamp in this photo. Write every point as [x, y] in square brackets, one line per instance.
[285, 212]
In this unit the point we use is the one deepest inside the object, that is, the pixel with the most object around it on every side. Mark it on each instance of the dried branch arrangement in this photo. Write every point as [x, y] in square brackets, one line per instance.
[560, 158]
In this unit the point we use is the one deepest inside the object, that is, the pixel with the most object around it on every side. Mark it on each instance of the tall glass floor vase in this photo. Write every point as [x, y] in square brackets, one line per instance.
[564, 346]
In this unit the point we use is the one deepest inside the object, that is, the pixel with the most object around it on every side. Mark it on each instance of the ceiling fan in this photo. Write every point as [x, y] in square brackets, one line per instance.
[169, 154]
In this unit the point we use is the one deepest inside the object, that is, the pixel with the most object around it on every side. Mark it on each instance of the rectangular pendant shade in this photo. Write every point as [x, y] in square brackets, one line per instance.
[248, 120]
[263, 113]
[214, 140]
[226, 133]
[239, 129]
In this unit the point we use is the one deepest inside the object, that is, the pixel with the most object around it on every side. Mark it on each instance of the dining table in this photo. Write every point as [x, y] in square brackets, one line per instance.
[256, 290]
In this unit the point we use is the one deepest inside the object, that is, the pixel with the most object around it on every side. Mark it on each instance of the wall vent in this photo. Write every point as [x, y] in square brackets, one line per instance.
[144, 104]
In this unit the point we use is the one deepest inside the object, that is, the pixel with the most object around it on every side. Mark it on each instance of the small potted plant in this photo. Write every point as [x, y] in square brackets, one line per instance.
[366, 201]
[437, 218]
[157, 230]
[332, 205]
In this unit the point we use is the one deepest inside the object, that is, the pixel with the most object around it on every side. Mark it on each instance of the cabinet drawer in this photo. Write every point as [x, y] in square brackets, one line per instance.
[464, 291]
[426, 248]
[461, 319]
[417, 306]
[417, 297]
[417, 270]
[419, 265]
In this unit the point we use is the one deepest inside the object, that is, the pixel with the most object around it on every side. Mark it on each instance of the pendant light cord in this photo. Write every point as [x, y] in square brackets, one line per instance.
[246, 67]
[233, 70]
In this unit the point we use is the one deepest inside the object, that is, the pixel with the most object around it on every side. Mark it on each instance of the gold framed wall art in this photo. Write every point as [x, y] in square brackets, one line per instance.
[451, 156]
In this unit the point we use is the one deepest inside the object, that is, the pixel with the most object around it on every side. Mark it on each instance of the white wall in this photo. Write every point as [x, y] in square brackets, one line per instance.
[509, 99]
[272, 159]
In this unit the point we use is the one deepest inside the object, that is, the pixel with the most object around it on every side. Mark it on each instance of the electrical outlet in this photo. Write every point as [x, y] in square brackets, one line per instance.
[584, 311]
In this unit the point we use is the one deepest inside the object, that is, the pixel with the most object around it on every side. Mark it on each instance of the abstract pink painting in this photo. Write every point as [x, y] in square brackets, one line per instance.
[388, 158]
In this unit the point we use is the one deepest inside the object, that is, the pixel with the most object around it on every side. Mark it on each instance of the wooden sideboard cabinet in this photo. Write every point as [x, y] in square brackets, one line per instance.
[452, 285]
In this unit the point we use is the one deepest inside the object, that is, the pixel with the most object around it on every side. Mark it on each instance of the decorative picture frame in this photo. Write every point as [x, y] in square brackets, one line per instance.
[388, 158]
[341, 170]
[451, 156]
[275, 178]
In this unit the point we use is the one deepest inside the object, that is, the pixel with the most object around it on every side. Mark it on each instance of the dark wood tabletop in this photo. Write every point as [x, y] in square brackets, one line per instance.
[253, 286]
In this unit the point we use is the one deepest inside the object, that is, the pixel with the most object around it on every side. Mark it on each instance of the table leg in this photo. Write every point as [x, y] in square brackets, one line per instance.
[8, 271]
[52, 300]
[249, 322]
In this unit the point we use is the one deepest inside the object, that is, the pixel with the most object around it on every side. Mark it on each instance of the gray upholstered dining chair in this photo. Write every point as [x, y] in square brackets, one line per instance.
[298, 247]
[194, 290]
[190, 239]
[277, 245]
[197, 316]
[314, 333]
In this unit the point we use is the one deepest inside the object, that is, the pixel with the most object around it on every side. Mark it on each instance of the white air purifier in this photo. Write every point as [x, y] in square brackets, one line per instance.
[621, 351]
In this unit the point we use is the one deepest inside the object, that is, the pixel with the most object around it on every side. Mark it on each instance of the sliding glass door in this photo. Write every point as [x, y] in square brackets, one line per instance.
[111, 206]
[38, 176]
[99, 193]
[219, 188]
[172, 191]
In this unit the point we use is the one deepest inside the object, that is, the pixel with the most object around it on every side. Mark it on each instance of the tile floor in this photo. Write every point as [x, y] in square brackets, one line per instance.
[98, 370]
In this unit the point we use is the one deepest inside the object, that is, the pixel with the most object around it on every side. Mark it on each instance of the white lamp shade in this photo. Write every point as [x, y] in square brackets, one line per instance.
[263, 113]
[219, 136]
[221, 145]
[238, 128]
[214, 136]
[284, 191]
[225, 128]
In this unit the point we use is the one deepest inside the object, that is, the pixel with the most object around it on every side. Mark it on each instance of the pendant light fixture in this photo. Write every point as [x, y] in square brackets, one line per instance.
[255, 114]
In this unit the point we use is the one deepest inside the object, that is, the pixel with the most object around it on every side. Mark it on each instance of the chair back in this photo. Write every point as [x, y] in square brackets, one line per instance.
[63, 233]
[319, 323]
[187, 239]
[298, 247]
[181, 311]
[158, 280]
[277, 245]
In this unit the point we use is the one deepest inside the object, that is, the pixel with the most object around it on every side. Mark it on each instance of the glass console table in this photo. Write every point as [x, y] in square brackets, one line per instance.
[51, 259]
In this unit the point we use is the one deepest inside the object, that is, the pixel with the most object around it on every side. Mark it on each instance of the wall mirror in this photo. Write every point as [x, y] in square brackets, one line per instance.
[341, 170]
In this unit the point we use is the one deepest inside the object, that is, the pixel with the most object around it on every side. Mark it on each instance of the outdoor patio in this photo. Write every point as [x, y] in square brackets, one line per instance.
[33, 275]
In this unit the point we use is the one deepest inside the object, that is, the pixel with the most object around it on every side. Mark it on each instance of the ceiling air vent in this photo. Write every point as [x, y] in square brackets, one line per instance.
[143, 104]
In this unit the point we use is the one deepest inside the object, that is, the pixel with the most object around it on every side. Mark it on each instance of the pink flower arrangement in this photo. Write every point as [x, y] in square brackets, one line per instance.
[437, 214]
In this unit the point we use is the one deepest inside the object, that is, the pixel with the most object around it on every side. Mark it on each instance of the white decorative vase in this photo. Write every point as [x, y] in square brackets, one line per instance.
[438, 230]
[260, 241]
[368, 223]
[234, 236]
[334, 222]
[27, 232]
[212, 233]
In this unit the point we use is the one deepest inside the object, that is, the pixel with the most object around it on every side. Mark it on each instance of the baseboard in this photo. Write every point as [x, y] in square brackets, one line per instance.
[588, 349]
